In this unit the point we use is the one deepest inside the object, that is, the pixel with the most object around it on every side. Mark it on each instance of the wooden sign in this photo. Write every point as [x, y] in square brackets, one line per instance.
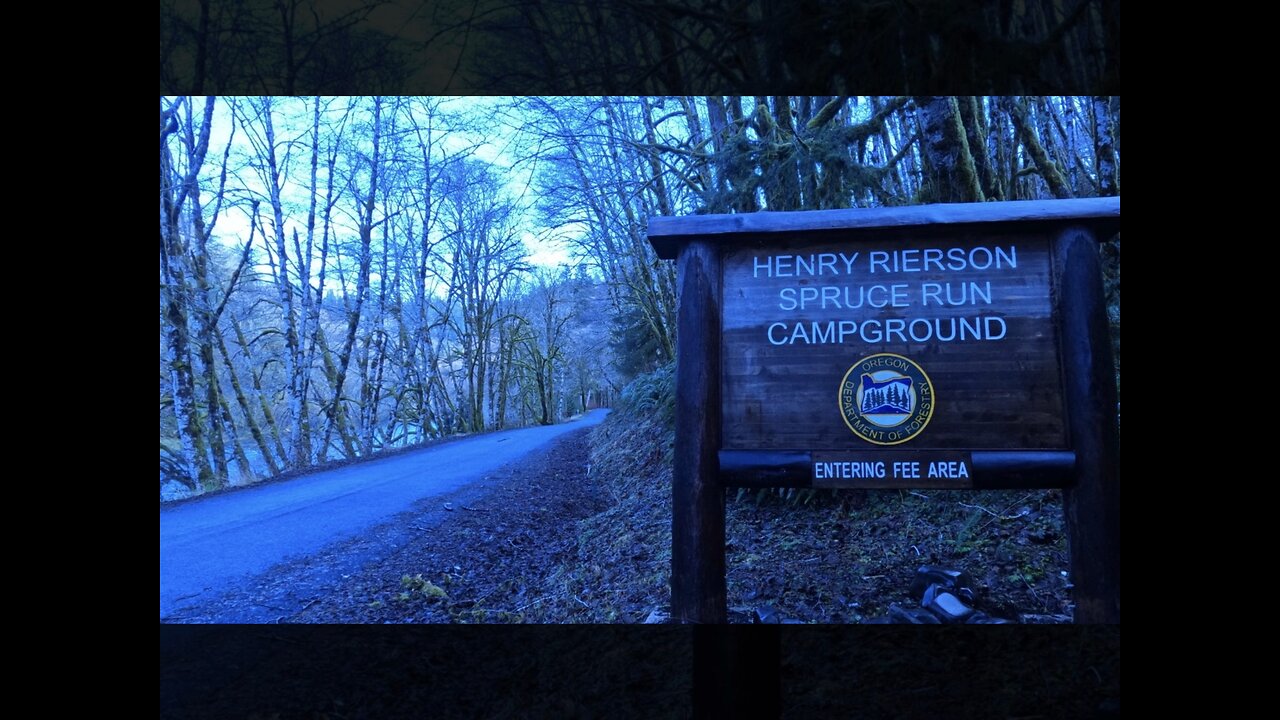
[937, 346]
[923, 343]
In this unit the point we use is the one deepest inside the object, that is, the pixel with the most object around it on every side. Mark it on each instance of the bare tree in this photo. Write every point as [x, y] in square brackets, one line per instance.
[543, 332]
[484, 254]
[179, 180]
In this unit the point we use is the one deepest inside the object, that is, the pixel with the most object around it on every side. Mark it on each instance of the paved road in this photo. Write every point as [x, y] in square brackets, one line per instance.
[210, 545]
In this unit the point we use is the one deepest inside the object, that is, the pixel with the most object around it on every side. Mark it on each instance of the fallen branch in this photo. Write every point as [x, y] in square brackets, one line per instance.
[1038, 619]
[1032, 589]
[997, 516]
[1019, 501]
[978, 507]
[535, 602]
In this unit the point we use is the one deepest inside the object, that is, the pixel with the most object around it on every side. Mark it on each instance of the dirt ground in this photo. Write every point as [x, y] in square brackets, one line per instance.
[580, 533]
[576, 533]
[478, 555]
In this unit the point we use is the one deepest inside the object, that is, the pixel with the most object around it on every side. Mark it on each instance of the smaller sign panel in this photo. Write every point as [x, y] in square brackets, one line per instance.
[893, 468]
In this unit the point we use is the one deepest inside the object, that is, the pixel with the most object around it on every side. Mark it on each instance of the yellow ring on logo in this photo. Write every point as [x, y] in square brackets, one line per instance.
[932, 404]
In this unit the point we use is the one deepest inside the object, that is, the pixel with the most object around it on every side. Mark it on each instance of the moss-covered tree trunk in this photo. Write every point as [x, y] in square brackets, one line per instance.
[975, 129]
[274, 179]
[175, 292]
[949, 167]
[205, 309]
[255, 430]
[784, 155]
[657, 178]
[190, 427]
[1020, 115]
[366, 225]
[373, 359]
[268, 415]
[237, 448]
[506, 366]
[310, 315]
[734, 168]
[1104, 147]
[335, 410]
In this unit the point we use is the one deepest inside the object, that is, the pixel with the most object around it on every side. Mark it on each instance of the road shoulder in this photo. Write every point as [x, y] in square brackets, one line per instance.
[474, 555]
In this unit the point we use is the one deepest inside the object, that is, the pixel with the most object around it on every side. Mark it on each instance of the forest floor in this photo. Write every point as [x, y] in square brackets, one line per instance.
[579, 532]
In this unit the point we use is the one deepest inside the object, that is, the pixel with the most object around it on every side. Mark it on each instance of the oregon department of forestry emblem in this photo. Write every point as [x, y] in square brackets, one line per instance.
[886, 399]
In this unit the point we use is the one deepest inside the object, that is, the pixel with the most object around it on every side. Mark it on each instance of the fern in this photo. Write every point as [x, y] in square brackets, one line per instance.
[653, 393]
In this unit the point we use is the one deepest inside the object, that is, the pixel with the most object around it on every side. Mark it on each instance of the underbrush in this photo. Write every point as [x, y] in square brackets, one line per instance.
[622, 568]
[813, 556]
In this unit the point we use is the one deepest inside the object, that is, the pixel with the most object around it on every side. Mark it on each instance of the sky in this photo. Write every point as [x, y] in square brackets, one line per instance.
[492, 142]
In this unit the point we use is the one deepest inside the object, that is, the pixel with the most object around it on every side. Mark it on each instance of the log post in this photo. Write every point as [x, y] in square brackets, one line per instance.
[1092, 504]
[697, 517]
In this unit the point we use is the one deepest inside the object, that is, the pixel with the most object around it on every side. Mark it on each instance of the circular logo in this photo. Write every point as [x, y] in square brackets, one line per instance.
[886, 399]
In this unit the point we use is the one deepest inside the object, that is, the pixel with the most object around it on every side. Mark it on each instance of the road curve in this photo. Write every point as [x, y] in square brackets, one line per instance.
[208, 545]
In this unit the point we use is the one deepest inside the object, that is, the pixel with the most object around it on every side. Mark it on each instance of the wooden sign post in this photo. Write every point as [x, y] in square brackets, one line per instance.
[933, 346]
